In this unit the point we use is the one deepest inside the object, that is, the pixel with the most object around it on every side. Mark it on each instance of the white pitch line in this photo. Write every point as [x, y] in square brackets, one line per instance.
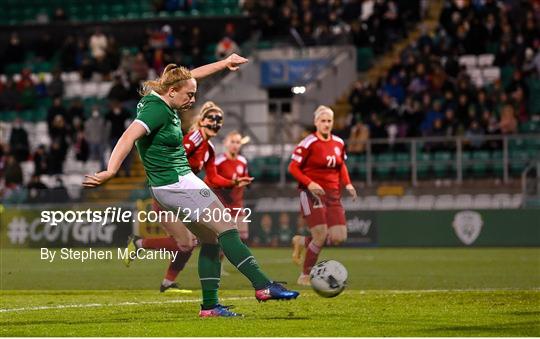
[127, 303]
[457, 290]
[184, 301]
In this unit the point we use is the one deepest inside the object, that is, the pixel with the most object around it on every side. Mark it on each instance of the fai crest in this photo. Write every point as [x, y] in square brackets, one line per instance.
[205, 192]
[467, 225]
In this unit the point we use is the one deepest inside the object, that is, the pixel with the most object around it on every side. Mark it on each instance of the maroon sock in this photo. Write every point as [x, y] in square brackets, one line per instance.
[312, 254]
[307, 240]
[177, 265]
[165, 243]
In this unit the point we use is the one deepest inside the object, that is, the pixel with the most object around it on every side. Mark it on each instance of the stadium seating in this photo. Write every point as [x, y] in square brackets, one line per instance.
[408, 202]
[20, 12]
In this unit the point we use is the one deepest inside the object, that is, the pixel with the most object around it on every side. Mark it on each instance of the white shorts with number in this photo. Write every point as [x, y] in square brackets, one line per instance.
[189, 194]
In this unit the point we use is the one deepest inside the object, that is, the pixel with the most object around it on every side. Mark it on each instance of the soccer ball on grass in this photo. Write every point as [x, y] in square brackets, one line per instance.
[328, 278]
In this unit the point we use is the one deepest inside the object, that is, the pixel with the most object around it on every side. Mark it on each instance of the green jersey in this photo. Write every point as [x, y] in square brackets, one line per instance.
[161, 149]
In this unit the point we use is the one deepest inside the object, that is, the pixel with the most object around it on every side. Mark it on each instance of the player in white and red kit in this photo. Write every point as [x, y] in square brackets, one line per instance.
[232, 165]
[318, 164]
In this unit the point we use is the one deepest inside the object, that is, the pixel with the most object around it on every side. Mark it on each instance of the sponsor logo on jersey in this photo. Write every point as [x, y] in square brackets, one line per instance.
[205, 192]
[467, 225]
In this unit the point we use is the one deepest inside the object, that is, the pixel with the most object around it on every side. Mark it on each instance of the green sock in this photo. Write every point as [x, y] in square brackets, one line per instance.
[240, 256]
[209, 274]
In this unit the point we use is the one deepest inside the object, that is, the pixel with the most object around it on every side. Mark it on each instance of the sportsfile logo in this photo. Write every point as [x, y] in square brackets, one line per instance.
[120, 215]
[111, 214]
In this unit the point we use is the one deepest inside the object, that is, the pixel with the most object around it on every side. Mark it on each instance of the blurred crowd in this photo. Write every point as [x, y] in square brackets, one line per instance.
[427, 92]
[89, 131]
[365, 23]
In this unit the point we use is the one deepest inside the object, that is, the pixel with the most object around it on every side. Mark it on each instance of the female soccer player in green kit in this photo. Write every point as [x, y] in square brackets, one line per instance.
[157, 135]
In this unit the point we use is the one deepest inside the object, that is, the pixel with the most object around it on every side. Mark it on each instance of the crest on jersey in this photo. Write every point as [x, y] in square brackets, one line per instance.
[239, 169]
[205, 192]
[337, 151]
[467, 226]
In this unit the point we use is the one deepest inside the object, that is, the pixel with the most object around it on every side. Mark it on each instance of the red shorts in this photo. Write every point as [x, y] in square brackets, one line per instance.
[326, 210]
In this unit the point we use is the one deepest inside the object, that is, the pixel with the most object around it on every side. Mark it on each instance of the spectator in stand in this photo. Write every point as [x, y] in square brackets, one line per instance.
[45, 47]
[139, 68]
[358, 138]
[508, 123]
[40, 160]
[15, 51]
[57, 108]
[377, 131]
[112, 53]
[58, 193]
[68, 54]
[55, 158]
[56, 87]
[59, 15]
[18, 141]
[25, 86]
[9, 97]
[434, 114]
[118, 118]
[59, 134]
[37, 190]
[450, 124]
[98, 45]
[13, 174]
[95, 131]
[118, 91]
[356, 98]
[80, 146]
[226, 46]
[474, 136]
[395, 89]
[75, 112]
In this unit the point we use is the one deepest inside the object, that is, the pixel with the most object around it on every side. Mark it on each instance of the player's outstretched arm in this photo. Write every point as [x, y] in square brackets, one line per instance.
[232, 62]
[119, 153]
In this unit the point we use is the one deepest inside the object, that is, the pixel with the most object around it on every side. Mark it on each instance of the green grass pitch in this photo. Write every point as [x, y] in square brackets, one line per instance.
[391, 292]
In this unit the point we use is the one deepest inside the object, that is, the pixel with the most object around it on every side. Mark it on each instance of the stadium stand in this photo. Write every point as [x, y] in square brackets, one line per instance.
[474, 91]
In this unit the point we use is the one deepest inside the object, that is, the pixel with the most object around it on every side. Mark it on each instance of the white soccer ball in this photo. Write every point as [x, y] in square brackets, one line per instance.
[328, 278]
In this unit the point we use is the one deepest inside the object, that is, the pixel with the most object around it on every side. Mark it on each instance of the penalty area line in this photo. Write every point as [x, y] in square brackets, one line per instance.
[126, 303]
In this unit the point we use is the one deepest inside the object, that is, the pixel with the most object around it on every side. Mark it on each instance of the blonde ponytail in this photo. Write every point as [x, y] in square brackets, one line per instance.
[172, 76]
